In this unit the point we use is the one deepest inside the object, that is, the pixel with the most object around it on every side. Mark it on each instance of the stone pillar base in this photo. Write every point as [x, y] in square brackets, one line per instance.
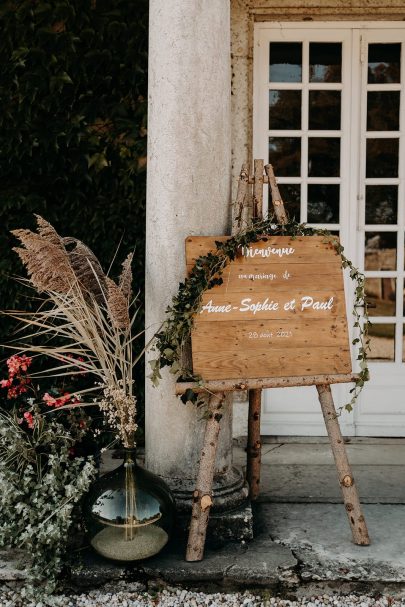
[230, 491]
[234, 525]
[231, 514]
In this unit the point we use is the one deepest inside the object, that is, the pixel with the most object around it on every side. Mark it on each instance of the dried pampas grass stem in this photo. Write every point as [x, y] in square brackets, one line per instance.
[89, 313]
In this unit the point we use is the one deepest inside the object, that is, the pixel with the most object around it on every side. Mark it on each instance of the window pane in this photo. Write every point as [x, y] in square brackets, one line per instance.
[384, 63]
[284, 109]
[403, 302]
[285, 156]
[323, 157]
[323, 203]
[285, 61]
[381, 204]
[291, 195]
[324, 110]
[383, 111]
[382, 158]
[382, 343]
[325, 62]
[403, 344]
[380, 251]
[380, 294]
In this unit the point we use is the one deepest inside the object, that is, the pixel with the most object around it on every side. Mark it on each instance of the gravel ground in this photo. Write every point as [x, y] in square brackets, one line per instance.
[123, 594]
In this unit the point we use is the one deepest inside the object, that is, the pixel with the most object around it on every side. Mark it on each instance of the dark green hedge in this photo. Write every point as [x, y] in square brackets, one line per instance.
[73, 88]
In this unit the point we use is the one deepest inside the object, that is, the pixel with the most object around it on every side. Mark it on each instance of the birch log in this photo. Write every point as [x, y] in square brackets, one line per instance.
[202, 497]
[278, 204]
[346, 480]
[240, 203]
[254, 445]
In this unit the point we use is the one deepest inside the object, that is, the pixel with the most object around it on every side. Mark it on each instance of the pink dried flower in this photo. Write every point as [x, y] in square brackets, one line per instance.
[49, 400]
[56, 402]
[18, 363]
[29, 419]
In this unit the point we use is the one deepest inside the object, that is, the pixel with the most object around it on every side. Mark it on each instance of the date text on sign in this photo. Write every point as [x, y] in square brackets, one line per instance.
[280, 311]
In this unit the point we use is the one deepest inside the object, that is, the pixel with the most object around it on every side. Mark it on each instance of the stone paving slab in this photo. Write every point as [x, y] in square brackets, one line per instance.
[296, 483]
[353, 440]
[314, 454]
[259, 563]
[256, 563]
[320, 538]
[306, 472]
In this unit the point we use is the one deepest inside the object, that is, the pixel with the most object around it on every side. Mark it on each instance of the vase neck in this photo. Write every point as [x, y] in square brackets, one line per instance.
[130, 455]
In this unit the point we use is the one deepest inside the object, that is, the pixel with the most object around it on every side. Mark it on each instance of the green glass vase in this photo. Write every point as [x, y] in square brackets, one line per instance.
[129, 512]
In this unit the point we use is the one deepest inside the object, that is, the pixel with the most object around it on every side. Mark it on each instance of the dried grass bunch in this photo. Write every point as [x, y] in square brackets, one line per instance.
[90, 314]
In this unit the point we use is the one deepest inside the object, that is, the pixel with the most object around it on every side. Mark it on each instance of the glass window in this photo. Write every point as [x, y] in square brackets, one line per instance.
[384, 63]
[382, 343]
[381, 204]
[380, 251]
[403, 343]
[323, 157]
[325, 62]
[383, 110]
[323, 203]
[285, 156]
[382, 158]
[324, 110]
[381, 294]
[284, 109]
[291, 195]
[285, 62]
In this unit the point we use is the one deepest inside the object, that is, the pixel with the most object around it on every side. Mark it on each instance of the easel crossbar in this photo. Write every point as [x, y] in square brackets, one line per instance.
[232, 385]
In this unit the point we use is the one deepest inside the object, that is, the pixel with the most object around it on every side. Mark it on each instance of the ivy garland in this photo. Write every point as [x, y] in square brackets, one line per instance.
[174, 335]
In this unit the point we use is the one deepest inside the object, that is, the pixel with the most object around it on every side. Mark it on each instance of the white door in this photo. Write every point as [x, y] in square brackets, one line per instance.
[329, 114]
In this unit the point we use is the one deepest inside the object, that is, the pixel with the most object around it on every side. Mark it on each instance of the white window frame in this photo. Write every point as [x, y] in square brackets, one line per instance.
[355, 36]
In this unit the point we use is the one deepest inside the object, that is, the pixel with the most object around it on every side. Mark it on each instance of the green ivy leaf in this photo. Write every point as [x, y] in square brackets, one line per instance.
[189, 396]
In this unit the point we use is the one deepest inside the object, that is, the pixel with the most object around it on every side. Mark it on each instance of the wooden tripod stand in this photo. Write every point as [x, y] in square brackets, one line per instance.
[202, 499]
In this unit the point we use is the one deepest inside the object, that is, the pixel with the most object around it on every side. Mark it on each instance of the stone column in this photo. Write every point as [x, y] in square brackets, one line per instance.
[188, 192]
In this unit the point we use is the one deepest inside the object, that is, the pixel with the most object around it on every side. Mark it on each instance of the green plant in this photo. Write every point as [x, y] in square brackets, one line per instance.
[206, 273]
[73, 85]
[42, 485]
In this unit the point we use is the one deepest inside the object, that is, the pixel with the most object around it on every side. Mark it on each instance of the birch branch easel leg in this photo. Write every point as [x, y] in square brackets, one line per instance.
[346, 480]
[240, 218]
[202, 497]
[254, 443]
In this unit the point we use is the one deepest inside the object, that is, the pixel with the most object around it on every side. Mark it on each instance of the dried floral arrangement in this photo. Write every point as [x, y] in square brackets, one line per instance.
[83, 314]
[206, 273]
[83, 326]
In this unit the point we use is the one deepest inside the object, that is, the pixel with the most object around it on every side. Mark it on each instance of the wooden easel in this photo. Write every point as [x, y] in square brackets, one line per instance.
[202, 497]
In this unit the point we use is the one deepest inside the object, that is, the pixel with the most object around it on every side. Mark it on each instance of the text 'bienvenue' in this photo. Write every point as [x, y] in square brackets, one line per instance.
[267, 252]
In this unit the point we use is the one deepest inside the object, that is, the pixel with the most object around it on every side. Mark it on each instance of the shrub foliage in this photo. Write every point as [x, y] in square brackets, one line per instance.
[72, 127]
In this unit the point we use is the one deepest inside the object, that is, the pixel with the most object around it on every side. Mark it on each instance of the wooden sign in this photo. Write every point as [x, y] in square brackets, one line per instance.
[280, 311]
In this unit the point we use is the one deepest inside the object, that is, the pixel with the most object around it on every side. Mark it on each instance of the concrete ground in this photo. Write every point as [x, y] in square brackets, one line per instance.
[302, 540]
